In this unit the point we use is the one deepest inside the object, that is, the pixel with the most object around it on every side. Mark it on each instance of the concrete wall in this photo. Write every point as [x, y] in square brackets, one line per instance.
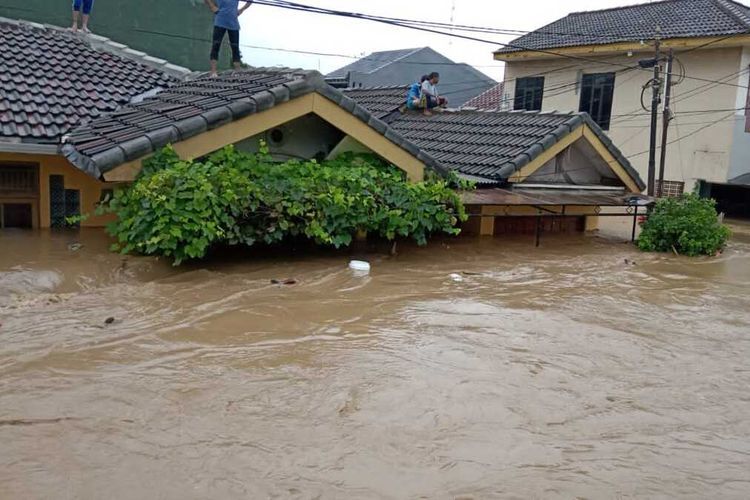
[705, 154]
[176, 30]
[304, 138]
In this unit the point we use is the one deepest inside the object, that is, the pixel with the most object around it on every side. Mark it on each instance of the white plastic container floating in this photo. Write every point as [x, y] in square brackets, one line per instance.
[359, 265]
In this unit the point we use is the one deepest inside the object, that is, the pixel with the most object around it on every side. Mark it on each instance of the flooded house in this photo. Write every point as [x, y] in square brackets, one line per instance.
[50, 82]
[556, 172]
[566, 66]
[533, 171]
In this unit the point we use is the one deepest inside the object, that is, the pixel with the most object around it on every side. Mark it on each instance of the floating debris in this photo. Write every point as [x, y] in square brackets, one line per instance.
[288, 281]
[360, 265]
[109, 320]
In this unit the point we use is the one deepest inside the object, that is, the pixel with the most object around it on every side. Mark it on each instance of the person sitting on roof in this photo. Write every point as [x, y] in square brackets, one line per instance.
[414, 96]
[430, 95]
[226, 20]
[82, 7]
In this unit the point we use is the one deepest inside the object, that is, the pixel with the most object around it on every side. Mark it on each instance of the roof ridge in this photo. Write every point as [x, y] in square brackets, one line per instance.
[388, 63]
[104, 44]
[731, 8]
[620, 7]
[377, 87]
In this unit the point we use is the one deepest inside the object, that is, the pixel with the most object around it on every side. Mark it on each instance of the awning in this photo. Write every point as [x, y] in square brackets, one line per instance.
[556, 197]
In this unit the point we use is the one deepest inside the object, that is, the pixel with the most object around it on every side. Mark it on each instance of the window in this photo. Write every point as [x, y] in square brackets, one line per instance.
[671, 189]
[63, 203]
[18, 180]
[596, 97]
[529, 92]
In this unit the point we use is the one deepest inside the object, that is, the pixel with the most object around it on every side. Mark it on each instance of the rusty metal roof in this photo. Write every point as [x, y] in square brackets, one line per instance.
[553, 197]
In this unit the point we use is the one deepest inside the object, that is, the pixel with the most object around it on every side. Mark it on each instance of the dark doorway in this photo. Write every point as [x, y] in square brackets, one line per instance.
[732, 200]
[16, 215]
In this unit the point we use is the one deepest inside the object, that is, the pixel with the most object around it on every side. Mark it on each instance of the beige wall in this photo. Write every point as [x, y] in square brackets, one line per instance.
[48, 165]
[704, 155]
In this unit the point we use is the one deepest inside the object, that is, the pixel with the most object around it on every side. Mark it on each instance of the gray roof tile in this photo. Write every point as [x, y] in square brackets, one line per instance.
[191, 107]
[491, 144]
[52, 80]
[372, 62]
[674, 18]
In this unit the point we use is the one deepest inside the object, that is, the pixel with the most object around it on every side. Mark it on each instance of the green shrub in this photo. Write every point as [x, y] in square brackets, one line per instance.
[688, 225]
[179, 209]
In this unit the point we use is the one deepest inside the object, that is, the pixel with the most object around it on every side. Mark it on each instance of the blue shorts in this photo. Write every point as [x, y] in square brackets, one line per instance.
[84, 6]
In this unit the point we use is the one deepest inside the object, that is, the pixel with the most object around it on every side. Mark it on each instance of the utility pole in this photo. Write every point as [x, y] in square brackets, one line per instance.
[656, 89]
[666, 118]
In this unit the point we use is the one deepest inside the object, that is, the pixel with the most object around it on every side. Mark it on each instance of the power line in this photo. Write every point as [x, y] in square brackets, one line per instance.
[396, 22]
[681, 138]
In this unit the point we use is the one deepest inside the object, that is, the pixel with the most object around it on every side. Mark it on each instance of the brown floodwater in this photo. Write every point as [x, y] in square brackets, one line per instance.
[557, 372]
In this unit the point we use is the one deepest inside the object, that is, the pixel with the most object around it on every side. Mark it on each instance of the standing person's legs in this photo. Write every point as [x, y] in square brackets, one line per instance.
[86, 10]
[234, 42]
[76, 11]
[216, 40]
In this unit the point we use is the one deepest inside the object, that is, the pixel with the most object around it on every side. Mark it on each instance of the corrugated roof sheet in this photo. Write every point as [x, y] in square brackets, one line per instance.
[551, 197]
[674, 19]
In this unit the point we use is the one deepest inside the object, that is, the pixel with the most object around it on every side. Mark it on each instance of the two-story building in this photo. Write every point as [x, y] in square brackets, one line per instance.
[588, 61]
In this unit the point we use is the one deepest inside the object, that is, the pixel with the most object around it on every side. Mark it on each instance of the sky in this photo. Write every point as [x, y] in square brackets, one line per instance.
[279, 28]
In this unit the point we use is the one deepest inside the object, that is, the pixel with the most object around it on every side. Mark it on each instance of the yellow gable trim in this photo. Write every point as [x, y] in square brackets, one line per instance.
[582, 132]
[546, 156]
[363, 133]
[613, 163]
[215, 139]
[624, 47]
[257, 123]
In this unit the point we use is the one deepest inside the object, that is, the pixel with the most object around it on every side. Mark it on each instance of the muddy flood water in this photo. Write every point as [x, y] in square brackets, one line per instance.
[558, 372]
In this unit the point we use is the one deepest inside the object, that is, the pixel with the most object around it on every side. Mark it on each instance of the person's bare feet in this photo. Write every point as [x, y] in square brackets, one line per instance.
[427, 112]
[85, 29]
[74, 28]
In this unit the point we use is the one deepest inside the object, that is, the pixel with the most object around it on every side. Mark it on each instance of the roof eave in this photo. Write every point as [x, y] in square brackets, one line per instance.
[678, 43]
[29, 148]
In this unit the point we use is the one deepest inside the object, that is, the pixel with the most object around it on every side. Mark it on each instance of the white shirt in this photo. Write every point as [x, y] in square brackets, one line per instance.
[429, 88]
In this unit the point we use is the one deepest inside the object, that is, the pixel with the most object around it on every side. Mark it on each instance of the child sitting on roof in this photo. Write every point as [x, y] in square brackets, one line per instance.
[414, 97]
[430, 96]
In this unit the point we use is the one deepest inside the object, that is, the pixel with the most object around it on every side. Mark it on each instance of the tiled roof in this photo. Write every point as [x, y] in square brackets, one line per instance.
[485, 146]
[373, 62]
[52, 80]
[490, 99]
[380, 101]
[192, 107]
[674, 19]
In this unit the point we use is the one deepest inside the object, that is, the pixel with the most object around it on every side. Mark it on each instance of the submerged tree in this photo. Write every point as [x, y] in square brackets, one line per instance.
[688, 225]
[180, 209]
